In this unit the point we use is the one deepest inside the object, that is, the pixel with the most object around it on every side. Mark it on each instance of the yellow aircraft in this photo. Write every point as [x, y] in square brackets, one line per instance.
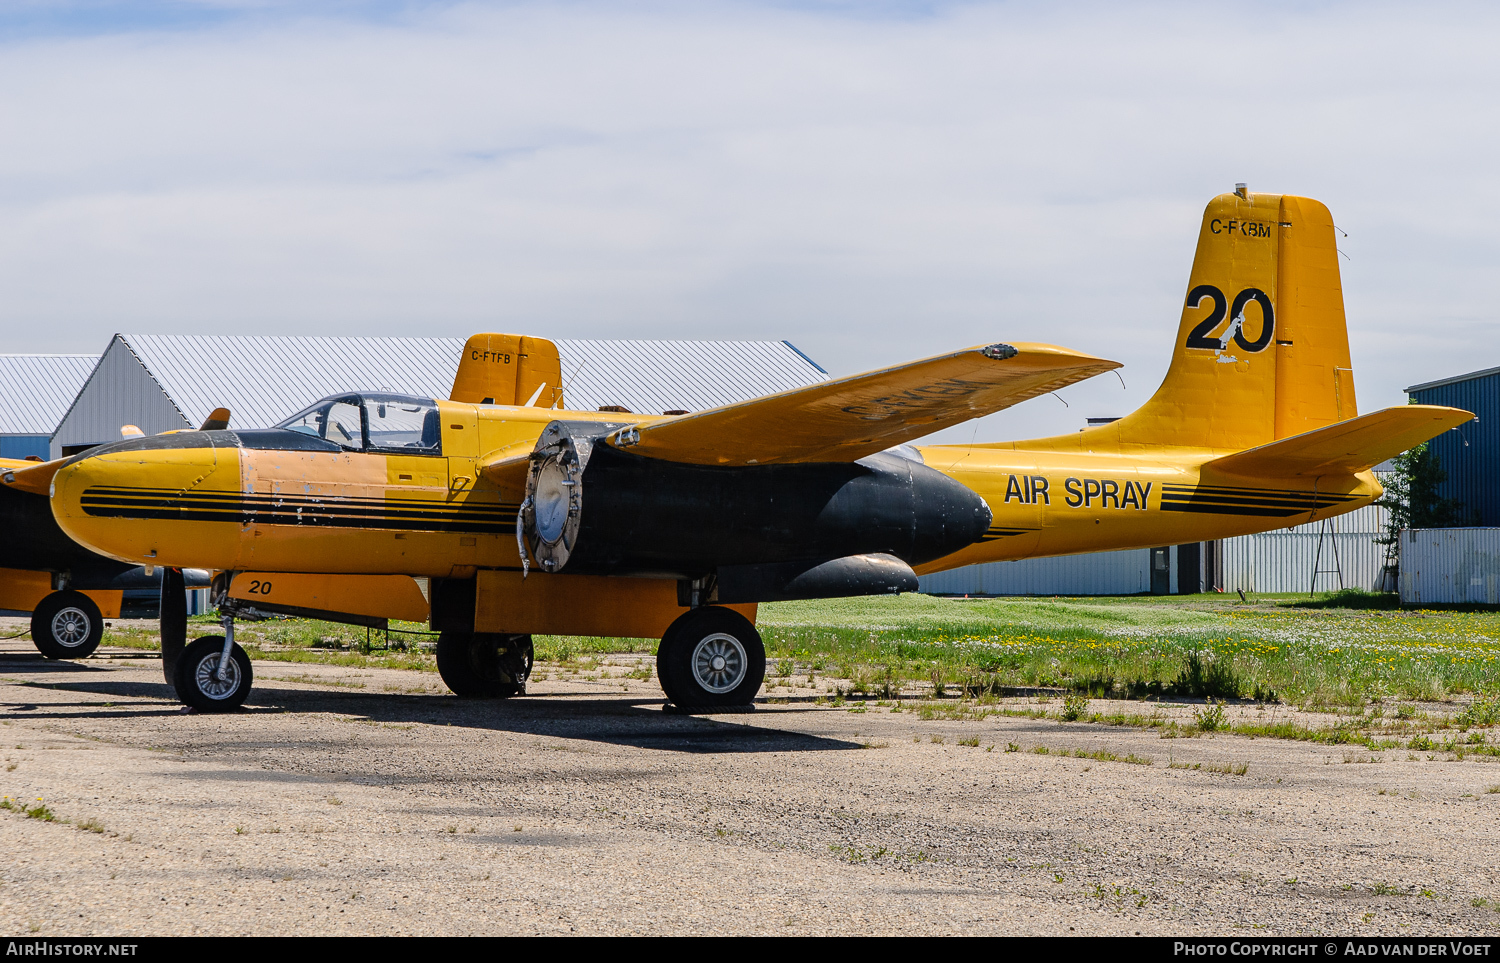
[525, 517]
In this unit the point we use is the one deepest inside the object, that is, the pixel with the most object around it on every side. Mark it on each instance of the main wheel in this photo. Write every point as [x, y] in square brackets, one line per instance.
[67, 625]
[484, 665]
[711, 656]
[197, 676]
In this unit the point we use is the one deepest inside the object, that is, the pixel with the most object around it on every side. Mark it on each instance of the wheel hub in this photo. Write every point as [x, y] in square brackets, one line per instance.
[70, 627]
[207, 678]
[719, 663]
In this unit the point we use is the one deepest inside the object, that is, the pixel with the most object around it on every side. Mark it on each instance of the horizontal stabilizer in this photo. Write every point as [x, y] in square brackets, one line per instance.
[848, 418]
[1346, 447]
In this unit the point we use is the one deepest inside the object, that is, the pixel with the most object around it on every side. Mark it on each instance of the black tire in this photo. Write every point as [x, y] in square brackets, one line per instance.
[197, 681]
[67, 625]
[484, 665]
[711, 656]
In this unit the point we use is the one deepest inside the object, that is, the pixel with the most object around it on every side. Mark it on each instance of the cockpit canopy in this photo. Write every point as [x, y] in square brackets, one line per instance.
[373, 421]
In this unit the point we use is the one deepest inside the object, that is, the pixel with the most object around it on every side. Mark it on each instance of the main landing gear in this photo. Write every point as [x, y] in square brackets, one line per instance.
[711, 657]
[484, 665]
[67, 625]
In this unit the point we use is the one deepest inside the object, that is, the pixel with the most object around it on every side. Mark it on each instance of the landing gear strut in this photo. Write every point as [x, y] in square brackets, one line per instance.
[213, 673]
[173, 621]
[711, 656]
[484, 665]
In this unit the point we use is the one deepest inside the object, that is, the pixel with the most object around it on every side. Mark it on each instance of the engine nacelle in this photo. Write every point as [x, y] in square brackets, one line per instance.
[595, 509]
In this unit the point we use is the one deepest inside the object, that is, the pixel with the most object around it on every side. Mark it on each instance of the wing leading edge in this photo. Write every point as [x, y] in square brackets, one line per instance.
[849, 418]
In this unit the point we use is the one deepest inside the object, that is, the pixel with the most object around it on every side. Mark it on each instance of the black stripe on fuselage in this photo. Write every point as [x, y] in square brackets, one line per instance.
[300, 510]
[994, 533]
[1271, 503]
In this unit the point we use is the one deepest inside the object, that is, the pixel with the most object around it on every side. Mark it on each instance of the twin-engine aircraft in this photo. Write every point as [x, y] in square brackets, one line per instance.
[528, 518]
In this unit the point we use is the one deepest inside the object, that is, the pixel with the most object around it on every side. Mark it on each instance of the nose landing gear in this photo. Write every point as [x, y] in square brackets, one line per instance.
[213, 674]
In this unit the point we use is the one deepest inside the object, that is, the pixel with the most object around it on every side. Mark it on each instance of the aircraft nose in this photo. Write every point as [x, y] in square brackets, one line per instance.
[137, 500]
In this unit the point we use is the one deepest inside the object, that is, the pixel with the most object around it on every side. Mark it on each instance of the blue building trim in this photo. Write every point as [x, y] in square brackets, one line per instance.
[804, 357]
[22, 446]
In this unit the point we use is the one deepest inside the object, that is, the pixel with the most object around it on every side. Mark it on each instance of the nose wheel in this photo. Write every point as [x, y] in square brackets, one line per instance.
[711, 656]
[213, 674]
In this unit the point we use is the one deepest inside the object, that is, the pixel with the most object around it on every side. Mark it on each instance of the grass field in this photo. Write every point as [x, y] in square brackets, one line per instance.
[1346, 650]
[1336, 651]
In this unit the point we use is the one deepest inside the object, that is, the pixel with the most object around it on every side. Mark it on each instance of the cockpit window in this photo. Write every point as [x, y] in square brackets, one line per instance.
[374, 422]
[408, 425]
[341, 425]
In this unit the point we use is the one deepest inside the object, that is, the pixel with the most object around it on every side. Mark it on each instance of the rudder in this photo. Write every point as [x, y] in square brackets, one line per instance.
[1262, 350]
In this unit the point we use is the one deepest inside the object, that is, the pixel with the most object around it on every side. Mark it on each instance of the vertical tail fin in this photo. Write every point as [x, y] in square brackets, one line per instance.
[1262, 351]
[509, 369]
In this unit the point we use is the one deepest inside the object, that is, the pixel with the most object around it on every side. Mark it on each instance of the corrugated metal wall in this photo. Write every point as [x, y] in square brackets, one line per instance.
[38, 390]
[157, 382]
[1283, 561]
[1098, 573]
[119, 392]
[1450, 565]
[1280, 561]
[1471, 468]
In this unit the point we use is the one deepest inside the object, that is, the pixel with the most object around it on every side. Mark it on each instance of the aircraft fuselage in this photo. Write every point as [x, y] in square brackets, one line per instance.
[280, 500]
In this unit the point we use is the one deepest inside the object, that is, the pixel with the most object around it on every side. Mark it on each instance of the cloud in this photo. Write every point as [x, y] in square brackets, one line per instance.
[871, 183]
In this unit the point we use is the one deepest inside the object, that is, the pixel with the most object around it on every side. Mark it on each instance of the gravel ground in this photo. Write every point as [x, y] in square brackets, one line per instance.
[369, 801]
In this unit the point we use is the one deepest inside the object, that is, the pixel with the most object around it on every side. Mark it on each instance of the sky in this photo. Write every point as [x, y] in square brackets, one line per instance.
[874, 182]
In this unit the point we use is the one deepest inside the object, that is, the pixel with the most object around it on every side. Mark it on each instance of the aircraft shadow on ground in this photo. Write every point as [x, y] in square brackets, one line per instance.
[615, 719]
[29, 662]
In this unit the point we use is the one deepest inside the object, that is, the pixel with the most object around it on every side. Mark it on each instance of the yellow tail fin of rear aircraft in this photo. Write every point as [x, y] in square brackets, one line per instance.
[509, 369]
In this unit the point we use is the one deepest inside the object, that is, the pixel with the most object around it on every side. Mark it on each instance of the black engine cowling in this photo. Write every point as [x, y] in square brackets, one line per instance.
[595, 509]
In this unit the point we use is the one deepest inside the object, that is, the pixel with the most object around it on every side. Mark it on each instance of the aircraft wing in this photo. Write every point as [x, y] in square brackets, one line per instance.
[1346, 447]
[29, 476]
[849, 418]
[508, 468]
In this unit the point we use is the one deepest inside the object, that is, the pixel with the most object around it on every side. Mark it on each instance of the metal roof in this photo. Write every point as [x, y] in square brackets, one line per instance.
[1454, 380]
[264, 379]
[37, 389]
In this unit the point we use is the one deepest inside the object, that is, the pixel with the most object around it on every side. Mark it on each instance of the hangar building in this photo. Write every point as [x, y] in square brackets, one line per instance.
[38, 390]
[164, 382]
[1460, 565]
[1471, 453]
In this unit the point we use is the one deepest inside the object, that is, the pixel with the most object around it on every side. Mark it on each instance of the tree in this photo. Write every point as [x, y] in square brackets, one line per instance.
[1411, 496]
